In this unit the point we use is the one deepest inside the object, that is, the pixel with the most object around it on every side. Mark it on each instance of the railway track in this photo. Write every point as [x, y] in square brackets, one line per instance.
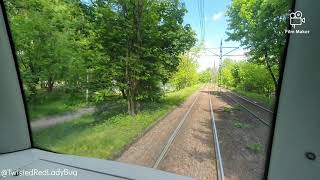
[219, 161]
[263, 120]
[252, 102]
[173, 136]
[243, 102]
[215, 141]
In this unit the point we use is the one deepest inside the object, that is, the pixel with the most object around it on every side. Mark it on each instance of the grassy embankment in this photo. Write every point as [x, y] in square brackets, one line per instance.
[267, 101]
[106, 137]
[53, 103]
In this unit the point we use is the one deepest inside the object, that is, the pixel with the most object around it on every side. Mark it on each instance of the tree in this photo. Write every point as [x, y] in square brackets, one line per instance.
[227, 68]
[143, 40]
[205, 76]
[255, 78]
[186, 74]
[247, 76]
[46, 39]
[127, 46]
[259, 25]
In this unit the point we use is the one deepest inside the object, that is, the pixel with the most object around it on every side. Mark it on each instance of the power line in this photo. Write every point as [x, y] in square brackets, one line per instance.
[200, 4]
[220, 55]
[203, 20]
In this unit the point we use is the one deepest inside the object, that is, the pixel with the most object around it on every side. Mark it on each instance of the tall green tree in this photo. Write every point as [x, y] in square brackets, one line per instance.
[127, 46]
[47, 40]
[259, 25]
[143, 40]
[186, 74]
[247, 76]
[205, 76]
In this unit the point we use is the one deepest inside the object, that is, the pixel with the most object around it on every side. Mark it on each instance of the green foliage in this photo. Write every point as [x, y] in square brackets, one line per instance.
[267, 101]
[255, 78]
[57, 102]
[186, 74]
[256, 148]
[241, 125]
[142, 41]
[227, 109]
[47, 41]
[102, 96]
[259, 25]
[237, 107]
[107, 137]
[227, 69]
[205, 76]
[247, 76]
[132, 47]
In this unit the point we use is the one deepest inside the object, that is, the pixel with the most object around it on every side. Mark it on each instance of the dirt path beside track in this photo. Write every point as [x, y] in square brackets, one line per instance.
[49, 121]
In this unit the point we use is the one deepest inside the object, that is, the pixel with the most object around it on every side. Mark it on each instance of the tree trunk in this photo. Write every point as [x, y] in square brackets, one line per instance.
[50, 84]
[32, 86]
[132, 103]
[42, 84]
[33, 91]
[130, 92]
[274, 79]
[123, 93]
[138, 15]
[134, 45]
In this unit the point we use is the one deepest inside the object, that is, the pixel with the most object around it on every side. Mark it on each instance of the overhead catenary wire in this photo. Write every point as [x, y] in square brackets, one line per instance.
[201, 13]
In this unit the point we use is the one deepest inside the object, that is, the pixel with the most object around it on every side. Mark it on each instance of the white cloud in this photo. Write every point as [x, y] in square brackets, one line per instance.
[217, 16]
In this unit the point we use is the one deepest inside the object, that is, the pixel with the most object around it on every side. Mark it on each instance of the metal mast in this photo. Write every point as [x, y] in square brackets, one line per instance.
[221, 55]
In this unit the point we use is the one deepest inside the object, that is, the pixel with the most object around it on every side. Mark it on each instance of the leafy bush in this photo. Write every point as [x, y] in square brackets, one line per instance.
[205, 76]
[247, 76]
[186, 74]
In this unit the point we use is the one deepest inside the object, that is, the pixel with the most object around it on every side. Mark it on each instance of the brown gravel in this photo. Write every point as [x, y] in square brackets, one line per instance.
[265, 115]
[146, 150]
[192, 153]
[239, 161]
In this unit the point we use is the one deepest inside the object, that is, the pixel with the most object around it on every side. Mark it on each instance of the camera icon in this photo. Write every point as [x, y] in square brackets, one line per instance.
[296, 19]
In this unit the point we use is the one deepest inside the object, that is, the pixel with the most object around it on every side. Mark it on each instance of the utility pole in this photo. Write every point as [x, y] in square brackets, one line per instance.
[88, 72]
[220, 63]
[221, 55]
[87, 90]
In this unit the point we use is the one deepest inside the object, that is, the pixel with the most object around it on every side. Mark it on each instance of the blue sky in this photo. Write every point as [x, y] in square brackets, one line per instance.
[215, 26]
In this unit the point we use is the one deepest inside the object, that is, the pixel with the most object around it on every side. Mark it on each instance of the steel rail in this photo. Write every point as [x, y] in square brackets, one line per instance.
[260, 119]
[216, 143]
[251, 102]
[173, 136]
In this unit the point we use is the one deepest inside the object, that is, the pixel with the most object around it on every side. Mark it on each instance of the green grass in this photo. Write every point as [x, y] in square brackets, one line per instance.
[53, 103]
[104, 138]
[267, 101]
[227, 109]
[241, 125]
[177, 97]
[237, 107]
[256, 148]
